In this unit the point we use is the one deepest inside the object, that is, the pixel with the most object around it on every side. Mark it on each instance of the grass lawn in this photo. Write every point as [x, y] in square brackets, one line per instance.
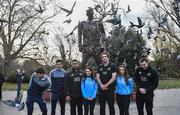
[13, 86]
[168, 84]
[163, 84]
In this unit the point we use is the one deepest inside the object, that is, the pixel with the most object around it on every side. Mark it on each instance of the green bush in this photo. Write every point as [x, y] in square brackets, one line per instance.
[11, 77]
[26, 78]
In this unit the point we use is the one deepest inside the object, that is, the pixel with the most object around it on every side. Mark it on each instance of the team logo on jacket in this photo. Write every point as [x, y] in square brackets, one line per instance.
[149, 74]
[104, 72]
[77, 79]
[109, 68]
[80, 74]
[140, 72]
[72, 74]
[144, 79]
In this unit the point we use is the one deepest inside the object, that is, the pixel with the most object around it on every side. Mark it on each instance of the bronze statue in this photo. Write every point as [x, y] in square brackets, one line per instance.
[91, 37]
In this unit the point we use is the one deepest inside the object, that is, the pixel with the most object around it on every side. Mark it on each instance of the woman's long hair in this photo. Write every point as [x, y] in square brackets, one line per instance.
[126, 76]
[92, 73]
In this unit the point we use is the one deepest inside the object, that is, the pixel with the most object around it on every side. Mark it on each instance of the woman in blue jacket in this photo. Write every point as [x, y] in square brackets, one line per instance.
[89, 87]
[124, 88]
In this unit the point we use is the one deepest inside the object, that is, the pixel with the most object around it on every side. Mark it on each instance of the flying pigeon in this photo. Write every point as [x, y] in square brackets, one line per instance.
[69, 12]
[71, 32]
[68, 21]
[128, 9]
[140, 24]
[114, 21]
[163, 20]
[150, 33]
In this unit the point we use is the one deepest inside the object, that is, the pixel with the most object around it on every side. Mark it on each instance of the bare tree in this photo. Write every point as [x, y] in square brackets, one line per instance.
[164, 17]
[21, 28]
[106, 8]
[65, 46]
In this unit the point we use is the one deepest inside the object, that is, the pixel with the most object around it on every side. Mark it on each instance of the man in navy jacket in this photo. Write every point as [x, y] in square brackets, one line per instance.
[57, 77]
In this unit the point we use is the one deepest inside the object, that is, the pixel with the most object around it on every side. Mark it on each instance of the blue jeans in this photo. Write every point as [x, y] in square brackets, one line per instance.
[39, 100]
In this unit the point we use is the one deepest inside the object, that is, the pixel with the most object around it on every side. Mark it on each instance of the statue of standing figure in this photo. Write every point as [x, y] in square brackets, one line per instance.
[91, 36]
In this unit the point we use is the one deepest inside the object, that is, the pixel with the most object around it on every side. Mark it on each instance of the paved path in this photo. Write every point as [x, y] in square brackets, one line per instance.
[166, 102]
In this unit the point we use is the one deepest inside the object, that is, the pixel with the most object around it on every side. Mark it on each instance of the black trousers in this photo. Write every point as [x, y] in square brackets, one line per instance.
[123, 102]
[54, 99]
[76, 102]
[146, 100]
[106, 96]
[89, 105]
[0, 91]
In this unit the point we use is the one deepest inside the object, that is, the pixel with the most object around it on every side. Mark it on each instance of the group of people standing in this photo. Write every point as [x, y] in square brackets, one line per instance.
[81, 88]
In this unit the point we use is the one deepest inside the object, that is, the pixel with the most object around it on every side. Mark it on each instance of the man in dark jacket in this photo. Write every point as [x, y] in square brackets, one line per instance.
[57, 76]
[73, 87]
[1, 83]
[146, 79]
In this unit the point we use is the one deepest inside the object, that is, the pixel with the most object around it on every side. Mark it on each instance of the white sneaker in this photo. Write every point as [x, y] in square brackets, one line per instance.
[20, 106]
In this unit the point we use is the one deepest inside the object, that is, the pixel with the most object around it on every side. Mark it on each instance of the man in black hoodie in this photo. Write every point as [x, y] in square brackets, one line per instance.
[146, 79]
[73, 87]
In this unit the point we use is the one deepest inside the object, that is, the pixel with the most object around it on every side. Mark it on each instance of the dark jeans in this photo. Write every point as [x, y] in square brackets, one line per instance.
[89, 105]
[54, 99]
[19, 89]
[123, 102]
[109, 97]
[39, 100]
[0, 91]
[76, 102]
[146, 99]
